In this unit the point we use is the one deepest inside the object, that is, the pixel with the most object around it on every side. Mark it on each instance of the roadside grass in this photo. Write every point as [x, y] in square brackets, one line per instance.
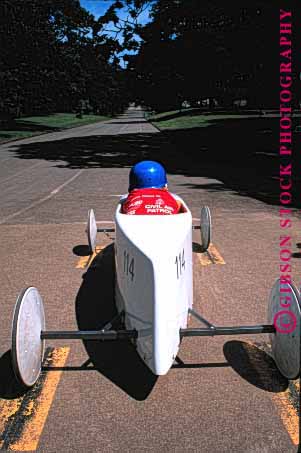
[62, 120]
[187, 120]
[162, 115]
[35, 125]
[12, 135]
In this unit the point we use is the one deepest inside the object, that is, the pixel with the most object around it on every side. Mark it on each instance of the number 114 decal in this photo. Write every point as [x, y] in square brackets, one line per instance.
[128, 265]
[180, 263]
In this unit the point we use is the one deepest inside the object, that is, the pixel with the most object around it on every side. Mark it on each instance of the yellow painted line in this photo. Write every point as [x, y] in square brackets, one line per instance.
[37, 409]
[204, 259]
[288, 414]
[23, 419]
[85, 261]
[82, 262]
[283, 400]
[297, 385]
[8, 408]
[211, 256]
[215, 255]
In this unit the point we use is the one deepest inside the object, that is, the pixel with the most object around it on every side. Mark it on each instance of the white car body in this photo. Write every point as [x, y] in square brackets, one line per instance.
[154, 285]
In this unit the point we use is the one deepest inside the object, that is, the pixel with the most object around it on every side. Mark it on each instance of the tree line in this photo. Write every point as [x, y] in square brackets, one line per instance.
[223, 53]
[55, 58]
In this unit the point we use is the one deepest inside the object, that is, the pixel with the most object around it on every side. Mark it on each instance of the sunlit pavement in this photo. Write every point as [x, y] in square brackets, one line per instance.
[228, 396]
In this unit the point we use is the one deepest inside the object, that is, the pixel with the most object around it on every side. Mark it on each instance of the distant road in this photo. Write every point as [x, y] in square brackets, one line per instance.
[128, 123]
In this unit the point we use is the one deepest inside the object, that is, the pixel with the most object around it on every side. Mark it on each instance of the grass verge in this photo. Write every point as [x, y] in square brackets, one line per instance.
[35, 125]
[191, 119]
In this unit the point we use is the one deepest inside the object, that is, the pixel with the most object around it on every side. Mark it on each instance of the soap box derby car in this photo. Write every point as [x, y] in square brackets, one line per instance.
[154, 298]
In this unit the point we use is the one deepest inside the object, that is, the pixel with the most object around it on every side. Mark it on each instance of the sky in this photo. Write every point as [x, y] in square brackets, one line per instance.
[99, 7]
[96, 7]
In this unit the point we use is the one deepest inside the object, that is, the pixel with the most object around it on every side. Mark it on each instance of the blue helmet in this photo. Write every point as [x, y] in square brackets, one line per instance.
[147, 174]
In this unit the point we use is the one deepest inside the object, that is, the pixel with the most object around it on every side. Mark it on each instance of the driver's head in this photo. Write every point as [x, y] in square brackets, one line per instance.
[147, 174]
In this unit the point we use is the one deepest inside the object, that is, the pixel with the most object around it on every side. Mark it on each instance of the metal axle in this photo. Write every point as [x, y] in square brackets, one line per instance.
[112, 230]
[238, 330]
[89, 335]
[127, 334]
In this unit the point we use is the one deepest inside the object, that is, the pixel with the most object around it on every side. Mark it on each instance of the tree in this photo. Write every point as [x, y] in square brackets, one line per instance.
[193, 50]
[52, 59]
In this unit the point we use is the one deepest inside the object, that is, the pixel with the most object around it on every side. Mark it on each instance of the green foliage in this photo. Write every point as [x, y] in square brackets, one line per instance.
[55, 56]
[174, 120]
[33, 125]
[51, 59]
[60, 120]
[195, 50]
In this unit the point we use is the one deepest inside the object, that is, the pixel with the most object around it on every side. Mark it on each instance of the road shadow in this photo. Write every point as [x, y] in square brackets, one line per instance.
[296, 255]
[180, 364]
[255, 366]
[240, 153]
[128, 122]
[95, 306]
[204, 111]
[197, 248]
[81, 250]
[10, 387]
[20, 125]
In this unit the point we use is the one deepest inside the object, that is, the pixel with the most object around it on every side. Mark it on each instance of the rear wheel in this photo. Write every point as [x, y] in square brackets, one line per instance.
[205, 227]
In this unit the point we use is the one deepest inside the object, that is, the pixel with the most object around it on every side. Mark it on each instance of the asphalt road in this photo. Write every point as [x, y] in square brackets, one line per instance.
[226, 397]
